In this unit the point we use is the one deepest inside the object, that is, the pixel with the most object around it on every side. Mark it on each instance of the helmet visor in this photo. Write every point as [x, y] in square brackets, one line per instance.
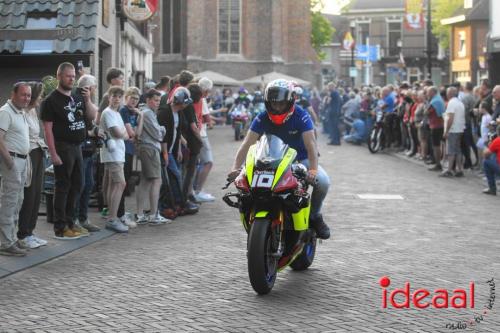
[276, 94]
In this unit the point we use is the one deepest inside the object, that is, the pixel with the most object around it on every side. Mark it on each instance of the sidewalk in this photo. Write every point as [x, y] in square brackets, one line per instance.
[55, 248]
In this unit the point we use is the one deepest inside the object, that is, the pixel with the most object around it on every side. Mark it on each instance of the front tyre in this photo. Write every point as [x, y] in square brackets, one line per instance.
[306, 257]
[262, 266]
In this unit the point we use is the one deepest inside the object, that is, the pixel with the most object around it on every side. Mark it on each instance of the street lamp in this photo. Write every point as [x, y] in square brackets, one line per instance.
[352, 24]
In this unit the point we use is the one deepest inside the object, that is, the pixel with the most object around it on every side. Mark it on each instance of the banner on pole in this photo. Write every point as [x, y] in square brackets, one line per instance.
[414, 14]
[348, 42]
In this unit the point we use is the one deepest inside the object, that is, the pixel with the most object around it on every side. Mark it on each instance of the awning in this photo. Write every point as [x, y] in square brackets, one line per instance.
[268, 77]
[219, 79]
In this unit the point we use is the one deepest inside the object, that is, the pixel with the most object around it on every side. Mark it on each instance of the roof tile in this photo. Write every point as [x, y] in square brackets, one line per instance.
[70, 14]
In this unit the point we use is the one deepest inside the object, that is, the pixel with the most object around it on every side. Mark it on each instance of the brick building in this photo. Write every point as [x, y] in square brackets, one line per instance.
[401, 52]
[237, 38]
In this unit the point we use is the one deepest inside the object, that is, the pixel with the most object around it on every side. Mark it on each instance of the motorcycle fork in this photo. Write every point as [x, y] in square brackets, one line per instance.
[277, 228]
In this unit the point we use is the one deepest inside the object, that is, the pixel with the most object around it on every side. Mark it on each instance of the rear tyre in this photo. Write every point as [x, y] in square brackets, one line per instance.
[306, 258]
[262, 267]
[374, 140]
[237, 132]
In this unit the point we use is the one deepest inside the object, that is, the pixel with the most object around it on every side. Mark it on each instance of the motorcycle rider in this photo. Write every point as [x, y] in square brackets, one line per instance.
[294, 126]
[242, 98]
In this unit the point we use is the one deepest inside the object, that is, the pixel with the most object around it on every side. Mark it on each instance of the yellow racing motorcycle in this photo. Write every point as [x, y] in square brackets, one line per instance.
[274, 204]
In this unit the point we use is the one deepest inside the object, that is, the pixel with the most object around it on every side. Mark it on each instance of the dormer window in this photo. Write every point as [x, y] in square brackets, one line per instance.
[40, 20]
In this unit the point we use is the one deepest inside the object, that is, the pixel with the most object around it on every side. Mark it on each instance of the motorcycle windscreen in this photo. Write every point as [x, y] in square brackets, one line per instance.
[270, 151]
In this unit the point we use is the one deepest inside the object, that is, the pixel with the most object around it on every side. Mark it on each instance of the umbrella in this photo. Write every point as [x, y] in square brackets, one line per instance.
[268, 77]
[218, 78]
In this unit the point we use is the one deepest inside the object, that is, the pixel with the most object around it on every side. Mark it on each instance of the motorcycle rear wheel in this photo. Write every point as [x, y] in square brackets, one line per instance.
[374, 140]
[237, 132]
[306, 258]
[262, 267]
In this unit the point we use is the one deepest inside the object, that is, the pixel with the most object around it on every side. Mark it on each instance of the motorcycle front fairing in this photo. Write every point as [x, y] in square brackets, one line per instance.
[270, 185]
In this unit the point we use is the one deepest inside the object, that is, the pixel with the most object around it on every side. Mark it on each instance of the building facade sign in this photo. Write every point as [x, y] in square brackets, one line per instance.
[139, 10]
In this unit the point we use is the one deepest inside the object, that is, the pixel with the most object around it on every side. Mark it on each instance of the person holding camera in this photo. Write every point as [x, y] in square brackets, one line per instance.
[64, 121]
[89, 149]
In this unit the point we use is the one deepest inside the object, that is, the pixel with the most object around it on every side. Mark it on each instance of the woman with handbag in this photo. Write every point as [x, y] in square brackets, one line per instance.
[33, 191]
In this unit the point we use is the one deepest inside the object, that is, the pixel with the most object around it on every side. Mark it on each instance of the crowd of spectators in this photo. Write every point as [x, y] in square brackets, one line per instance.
[156, 139]
[450, 128]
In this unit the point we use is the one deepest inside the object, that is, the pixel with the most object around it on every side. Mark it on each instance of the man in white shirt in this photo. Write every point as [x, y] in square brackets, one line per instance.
[14, 150]
[454, 125]
[205, 159]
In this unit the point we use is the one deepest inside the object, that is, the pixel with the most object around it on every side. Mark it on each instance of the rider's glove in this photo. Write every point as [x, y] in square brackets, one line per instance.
[311, 176]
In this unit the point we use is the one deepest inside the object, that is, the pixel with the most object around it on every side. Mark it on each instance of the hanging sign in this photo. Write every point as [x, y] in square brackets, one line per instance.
[414, 15]
[348, 42]
[139, 10]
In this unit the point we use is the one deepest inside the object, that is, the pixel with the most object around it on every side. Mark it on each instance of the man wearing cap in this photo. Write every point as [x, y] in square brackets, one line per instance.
[14, 150]
[170, 117]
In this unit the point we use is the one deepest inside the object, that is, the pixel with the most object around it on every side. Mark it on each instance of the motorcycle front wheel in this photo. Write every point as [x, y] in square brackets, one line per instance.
[262, 266]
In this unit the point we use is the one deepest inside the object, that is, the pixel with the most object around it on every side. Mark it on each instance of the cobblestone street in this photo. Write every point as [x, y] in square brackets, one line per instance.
[191, 275]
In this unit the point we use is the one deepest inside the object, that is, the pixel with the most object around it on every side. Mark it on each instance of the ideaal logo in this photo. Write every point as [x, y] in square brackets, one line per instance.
[439, 298]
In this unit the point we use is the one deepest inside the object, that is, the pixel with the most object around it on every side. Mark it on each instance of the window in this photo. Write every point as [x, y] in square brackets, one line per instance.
[37, 20]
[462, 49]
[229, 26]
[394, 36]
[171, 26]
[362, 33]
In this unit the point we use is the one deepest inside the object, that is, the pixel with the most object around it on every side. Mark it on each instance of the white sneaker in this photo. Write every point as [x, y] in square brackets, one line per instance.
[158, 219]
[29, 243]
[204, 197]
[40, 241]
[116, 225]
[128, 222]
[141, 219]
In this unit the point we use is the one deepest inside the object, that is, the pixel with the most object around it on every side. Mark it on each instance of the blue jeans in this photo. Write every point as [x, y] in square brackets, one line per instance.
[82, 206]
[173, 167]
[353, 138]
[491, 169]
[319, 190]
[334, 127]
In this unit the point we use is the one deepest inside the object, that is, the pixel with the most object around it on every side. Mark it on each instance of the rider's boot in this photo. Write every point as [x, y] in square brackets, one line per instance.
[322, 230]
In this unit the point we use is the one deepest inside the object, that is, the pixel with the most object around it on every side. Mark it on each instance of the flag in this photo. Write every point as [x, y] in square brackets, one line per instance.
[348, 42]
[402, 59]
[414, 15]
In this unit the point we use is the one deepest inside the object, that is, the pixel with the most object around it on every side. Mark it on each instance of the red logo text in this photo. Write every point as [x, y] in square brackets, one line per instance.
[423, 298]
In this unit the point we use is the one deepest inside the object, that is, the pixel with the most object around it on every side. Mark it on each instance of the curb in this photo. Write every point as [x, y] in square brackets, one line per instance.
[11, 265]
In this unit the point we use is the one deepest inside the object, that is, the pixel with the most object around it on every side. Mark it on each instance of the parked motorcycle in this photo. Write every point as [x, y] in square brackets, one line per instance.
[240, 120]
[376, 139]
[274, 206]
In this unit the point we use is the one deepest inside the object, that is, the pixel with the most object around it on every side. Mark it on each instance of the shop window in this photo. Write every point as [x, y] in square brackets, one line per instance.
[462, 45]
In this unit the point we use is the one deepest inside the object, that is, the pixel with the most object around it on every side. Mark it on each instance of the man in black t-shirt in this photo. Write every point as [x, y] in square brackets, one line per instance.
[64, 120]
